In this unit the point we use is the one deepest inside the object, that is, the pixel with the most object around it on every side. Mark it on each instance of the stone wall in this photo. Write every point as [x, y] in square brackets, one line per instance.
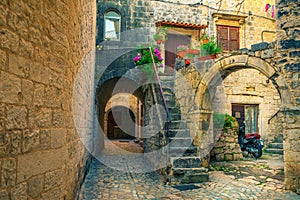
[227, 147]
[288, 63]
[155, 138]
[43, 44]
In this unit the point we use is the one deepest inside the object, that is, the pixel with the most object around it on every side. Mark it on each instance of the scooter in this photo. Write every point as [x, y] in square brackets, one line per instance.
[250, 142]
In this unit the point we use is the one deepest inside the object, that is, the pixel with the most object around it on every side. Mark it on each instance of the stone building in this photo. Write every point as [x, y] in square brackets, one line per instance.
[50, 101]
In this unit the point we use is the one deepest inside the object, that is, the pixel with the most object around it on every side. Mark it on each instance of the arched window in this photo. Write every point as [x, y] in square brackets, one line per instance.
[112, 25]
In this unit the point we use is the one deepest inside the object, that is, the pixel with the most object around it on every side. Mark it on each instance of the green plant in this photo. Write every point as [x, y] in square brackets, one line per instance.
[230, 122]
[146, 55]
[211, 47]
[204, 36]
[224, 121]
[181, 47]
[161, 34]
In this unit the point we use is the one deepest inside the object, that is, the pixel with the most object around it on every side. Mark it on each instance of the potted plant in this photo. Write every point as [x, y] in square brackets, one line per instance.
[160, 35]
[204, 38]
[181, 50]
[211, 47]
[157, 38]
[144, 60]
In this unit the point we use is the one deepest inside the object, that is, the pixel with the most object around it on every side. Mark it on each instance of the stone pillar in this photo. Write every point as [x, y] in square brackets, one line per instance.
[288, 63]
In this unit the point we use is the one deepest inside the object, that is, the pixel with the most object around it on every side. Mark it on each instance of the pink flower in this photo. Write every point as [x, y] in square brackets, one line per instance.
[156, 51]
[137, 58]
[159, 58]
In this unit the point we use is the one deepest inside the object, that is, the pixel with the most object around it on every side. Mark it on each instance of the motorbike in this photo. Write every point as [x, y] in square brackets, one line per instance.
[250, 142]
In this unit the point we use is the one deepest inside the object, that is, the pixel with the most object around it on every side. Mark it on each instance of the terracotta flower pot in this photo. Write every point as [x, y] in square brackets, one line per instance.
[181, 54]
[203, 58]
[213, 56]
[204, 41]
[158, 41]
[193, 51]
[187, 61]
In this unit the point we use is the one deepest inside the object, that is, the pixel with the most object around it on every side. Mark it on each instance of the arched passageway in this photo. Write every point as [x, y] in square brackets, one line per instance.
[120, 109]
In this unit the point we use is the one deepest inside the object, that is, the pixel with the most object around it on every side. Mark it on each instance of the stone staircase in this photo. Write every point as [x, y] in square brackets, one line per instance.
[276, 147]
[184, 156]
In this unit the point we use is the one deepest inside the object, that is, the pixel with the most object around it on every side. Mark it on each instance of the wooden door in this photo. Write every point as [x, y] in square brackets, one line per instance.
[238, 111]
[170, 47]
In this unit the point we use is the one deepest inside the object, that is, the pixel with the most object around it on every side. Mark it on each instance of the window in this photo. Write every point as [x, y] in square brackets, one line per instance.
[228, 38]
[112, 26]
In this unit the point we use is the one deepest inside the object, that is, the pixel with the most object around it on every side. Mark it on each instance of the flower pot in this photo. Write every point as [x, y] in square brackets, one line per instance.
[187, 61]
[204, 41]
[193, 51]
[158, 41]
[181, 54]
[213, 56]
[203, 58]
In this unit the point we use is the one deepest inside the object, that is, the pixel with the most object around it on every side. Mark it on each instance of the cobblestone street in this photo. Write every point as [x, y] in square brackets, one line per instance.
[103, 182]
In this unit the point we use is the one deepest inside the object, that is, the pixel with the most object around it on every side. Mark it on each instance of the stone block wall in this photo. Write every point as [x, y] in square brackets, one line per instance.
[43, 44]
[155, 138]
[227, 147]
[288, 63]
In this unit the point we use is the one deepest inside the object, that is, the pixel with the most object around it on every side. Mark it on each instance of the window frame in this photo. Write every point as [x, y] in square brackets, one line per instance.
[119, 25]
[219, 27]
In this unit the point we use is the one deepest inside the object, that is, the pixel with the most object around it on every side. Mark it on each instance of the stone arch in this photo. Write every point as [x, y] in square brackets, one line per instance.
[129, 101]
[226, 65]
[118, 132]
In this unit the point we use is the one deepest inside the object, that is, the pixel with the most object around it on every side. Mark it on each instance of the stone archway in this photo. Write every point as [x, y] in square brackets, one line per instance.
[200, 115]
[226, 65]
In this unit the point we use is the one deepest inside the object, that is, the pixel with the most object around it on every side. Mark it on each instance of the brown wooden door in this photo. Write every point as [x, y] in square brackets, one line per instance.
[170, 47]
[238, 111]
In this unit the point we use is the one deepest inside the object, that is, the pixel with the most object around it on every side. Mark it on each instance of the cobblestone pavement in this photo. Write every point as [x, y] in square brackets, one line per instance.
[103, 182]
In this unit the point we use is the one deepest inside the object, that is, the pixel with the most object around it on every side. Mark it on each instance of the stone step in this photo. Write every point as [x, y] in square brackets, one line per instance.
[189, 178]
[180, 142]
[177, 171]
[183, 151]
[186, 162]
[175, 117]
[276, 145]
[176, 124]
[167, 91]
[166, 77]
[167, 84]
[274, 151]
[185, 132]
[171, 103]
[174, 110]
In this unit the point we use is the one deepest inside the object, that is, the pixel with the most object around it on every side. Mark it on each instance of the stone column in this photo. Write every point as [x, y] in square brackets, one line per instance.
[288, 63]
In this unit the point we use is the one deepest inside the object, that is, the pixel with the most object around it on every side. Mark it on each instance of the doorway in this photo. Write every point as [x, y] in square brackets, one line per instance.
[171, 44]
[246, 115]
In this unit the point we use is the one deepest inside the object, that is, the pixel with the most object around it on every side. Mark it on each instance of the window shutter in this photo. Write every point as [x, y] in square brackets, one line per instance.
[228, 38]
[233, 38]
[223, 37]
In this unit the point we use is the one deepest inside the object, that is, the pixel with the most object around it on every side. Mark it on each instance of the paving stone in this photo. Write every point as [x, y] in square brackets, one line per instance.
[103, 182]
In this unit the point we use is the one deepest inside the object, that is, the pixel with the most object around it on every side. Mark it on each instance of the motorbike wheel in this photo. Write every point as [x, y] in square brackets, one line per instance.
[259, 147]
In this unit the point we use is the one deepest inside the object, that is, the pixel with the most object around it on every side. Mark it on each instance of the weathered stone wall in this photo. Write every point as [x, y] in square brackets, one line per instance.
[227, 147]
[249, 86]
[43, 44]
[155, 138]
[288, 63]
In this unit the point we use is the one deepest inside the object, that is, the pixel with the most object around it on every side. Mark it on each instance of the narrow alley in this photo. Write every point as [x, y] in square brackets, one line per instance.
[103, 182]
